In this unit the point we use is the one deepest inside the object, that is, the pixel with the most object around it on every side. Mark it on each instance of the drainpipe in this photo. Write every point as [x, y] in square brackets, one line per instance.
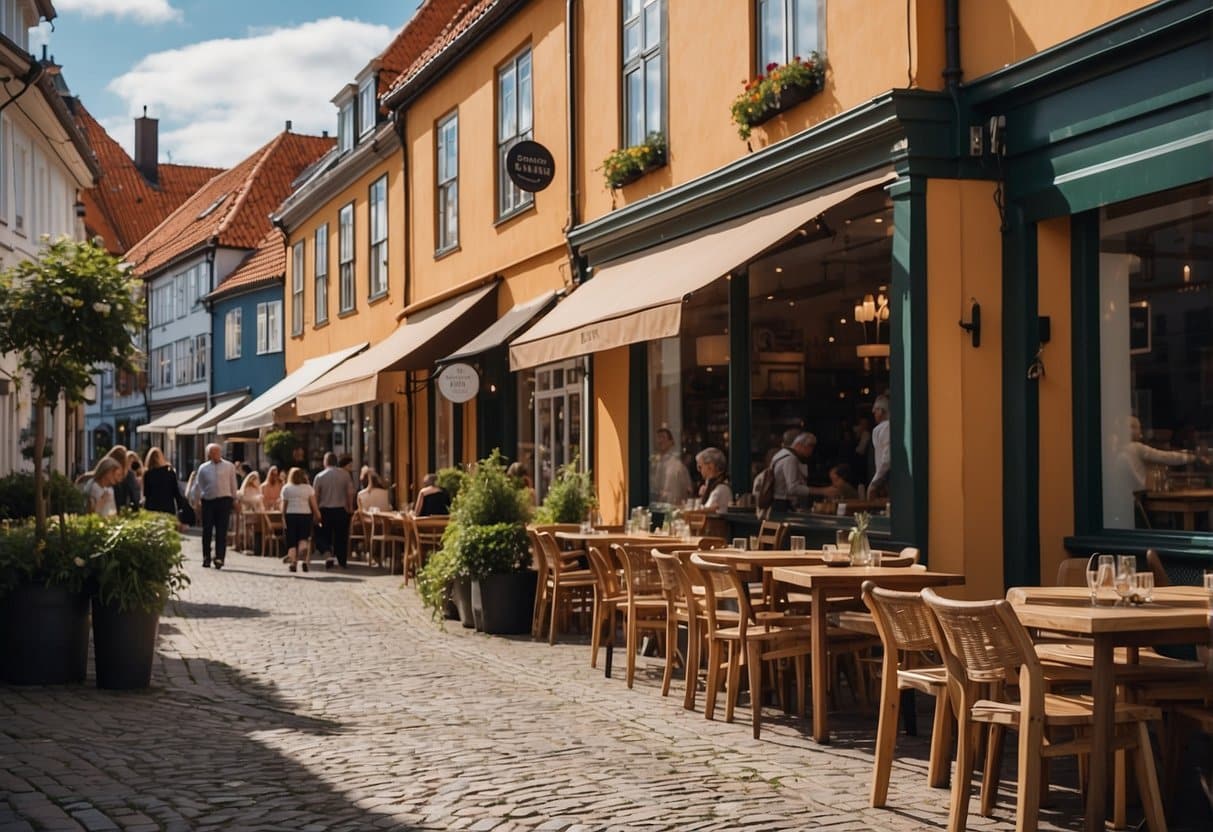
[951, 28]
[398, 124]
[570, 82]
[27, 80]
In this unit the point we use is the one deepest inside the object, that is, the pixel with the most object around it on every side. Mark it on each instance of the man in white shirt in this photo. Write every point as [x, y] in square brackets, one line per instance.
[879, 486]
[670, 480]
[215, 486]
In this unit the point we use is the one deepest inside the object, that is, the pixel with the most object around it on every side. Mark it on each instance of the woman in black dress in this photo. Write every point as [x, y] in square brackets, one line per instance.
[161, 491]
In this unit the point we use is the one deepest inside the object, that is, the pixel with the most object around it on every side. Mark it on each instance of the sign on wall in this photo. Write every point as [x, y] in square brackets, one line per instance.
[459, 382]
[530, 166]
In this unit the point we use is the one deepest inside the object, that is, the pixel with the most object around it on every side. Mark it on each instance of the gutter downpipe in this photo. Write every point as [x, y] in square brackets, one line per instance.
[570, 81]
[398, 124]
[951, 30]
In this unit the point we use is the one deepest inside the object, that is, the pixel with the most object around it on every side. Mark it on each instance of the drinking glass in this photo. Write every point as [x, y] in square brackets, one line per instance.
[798, 544]
[1124, 586]
[754, 543]
[829, 552]
[739, 544]
[842, 537]
[1143, 591]
[1093, 584]
[1209, 585]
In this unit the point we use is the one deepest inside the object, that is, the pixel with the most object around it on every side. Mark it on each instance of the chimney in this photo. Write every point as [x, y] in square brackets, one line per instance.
[288, 125]
[147, 147]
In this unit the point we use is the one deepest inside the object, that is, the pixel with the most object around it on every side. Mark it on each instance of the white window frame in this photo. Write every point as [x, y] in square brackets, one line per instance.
[791, 13]
[183, 361]
[345, 258]
[320, 296]
[368, 107]
[202, 356]
[446, 185]
[345, 127]
[298, 267]
[269, 327]
[515, 123]
[644, 62]
[20, 181]
[180, 290]
[377, 271]
[232, 332]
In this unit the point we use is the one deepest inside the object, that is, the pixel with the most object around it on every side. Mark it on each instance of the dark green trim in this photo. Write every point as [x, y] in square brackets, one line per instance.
[1084, 349]
[1020, 404]
[496, 413]
[638, 425]
[1186, 547]
[908, 362]
[431, 392]
[739, 381]
[457, 431]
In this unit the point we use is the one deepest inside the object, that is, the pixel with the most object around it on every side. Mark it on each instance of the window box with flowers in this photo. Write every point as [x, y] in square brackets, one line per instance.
[782, 88]
[627, 164]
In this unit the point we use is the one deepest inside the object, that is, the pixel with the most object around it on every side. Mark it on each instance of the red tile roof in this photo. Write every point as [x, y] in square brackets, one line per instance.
[415, 39]
[233, 209]
[124, 206]
[451, 18]
[265, 265]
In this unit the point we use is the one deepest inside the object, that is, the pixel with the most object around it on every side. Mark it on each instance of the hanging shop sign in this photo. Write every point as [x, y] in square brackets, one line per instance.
[530, 166]
[459, 382]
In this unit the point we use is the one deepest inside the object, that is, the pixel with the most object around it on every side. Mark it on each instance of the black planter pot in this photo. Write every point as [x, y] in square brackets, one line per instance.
[503, 604]
[461, 597]
[43, 636]
[124, 645]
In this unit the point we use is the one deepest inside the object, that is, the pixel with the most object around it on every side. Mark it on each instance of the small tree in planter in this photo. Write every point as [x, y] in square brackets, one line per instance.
[279, 446]
[570, 497]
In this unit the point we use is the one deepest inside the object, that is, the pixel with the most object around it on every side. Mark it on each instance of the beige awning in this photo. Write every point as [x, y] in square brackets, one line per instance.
[260, 412]
[423, 338]
[639, 298]
[168, 422]
[207, 421]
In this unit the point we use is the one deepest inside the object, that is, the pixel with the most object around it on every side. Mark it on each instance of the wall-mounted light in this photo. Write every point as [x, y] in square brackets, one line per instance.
[973, 327]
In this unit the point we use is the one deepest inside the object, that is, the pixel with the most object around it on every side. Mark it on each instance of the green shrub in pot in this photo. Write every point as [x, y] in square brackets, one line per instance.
[17, 495]
[451, 481]
[570, 497]
[139, 565]
[62, 560]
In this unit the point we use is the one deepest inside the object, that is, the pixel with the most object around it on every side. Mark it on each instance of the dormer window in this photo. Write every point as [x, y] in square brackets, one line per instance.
[345, 127]
[368, 107]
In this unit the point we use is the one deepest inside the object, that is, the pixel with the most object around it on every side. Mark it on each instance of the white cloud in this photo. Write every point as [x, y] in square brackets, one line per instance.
[219, 100]
[143, 11]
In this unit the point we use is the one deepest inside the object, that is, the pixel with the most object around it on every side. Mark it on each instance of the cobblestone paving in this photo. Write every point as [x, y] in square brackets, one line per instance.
[331, 701]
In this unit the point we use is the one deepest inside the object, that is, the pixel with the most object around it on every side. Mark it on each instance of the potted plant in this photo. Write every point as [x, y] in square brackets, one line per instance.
[445, 580]
[279, 446]
[43, 601]
[63, 316]
[570, 497]
[485, 543]
[450, 480]
[783, 87]
[627, 164]
[138, 567]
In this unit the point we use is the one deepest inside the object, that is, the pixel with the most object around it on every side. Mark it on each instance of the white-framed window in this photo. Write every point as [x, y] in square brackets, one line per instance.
[161, 375]
[643, 69]
[345, 127]
[184, 360]
[183, 301]
[368, 108]
[789, 29]
[377, 227]
[202, 356]
[231, 333]
[20, 178]
[448, 182]
[515, 123]
[269, 327]
[297, 278]
[345, 257]
[321, 254]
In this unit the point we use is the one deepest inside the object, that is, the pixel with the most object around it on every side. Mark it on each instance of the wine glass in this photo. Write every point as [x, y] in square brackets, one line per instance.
[1093, 576]
[1126, 571]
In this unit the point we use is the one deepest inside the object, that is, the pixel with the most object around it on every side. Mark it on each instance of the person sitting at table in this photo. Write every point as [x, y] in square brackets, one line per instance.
[715, 491]
[432, 499]
[249, 495]
[375, 495]
[271, 489]
[791, 477]
[840, 483]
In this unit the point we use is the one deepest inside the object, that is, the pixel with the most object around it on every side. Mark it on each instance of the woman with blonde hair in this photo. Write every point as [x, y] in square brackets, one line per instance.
[250, 492]
[126, 489]
[299, 510]
[271, 489]
[161, 490]
[98, 486]
[375, 495]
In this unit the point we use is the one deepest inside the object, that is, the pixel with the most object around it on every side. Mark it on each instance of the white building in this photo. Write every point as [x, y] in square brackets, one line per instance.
[44, 165]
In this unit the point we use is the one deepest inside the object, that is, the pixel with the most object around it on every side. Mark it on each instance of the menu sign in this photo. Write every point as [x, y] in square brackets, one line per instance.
[459, 382]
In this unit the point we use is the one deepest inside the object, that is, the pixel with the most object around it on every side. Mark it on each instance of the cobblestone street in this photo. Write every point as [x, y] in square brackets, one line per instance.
[331, 701]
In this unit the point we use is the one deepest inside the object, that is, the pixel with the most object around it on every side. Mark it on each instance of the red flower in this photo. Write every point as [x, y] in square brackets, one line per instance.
[771, 66]
[796, 59]
[758, 80]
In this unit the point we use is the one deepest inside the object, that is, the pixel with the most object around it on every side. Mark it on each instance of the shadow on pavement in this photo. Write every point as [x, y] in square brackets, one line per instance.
[190, 609]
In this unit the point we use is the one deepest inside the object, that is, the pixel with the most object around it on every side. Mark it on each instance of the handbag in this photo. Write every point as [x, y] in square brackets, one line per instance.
[185, 514]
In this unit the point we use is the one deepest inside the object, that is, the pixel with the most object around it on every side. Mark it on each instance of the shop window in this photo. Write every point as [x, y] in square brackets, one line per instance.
[1156, 359]
[551, 413]
[789, 29]
[514, 124]
[643, 69]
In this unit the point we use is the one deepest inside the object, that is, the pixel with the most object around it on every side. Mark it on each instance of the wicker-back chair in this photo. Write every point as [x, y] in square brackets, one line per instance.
[568, 584]
[903, 622]
[986, 649]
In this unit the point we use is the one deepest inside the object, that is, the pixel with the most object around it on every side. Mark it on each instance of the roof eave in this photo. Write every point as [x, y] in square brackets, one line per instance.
[312, 195]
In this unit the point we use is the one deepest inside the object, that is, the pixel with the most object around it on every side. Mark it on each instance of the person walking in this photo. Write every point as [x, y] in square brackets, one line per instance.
[161, 490]
[98, 487]
[299, 512]
[335, 497]
[215, 487]
[126, 489]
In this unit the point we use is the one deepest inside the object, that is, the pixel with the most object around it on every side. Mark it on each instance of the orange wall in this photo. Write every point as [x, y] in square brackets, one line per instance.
[370, 321]
[994, 33]
[487, 246]
[1056, 397]
[711, 56]
[611, 433]
[964, 385]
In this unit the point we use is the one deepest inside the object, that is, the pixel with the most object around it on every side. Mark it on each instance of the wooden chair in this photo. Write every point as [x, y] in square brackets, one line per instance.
[1181, 721]
[273, 529]
[1154, 562]
[773, 535]
[393, 538]
[645, 606]
[429, 535]
[564, 585]
[903, 623]
[359, 537]
[609, 594]
[540, 563]
[679, 609]
[986, 651]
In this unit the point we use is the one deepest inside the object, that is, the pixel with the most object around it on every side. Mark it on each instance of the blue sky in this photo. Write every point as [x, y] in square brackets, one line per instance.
[221, 75]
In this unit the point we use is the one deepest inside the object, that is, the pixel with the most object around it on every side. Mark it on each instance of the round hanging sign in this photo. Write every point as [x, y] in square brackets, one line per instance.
[530, 166]
[459, 382]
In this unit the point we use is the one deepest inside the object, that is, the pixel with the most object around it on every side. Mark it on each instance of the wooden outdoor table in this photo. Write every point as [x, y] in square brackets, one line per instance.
[583, 539]
[1174, 617]
[1187, 502]
[825, 582]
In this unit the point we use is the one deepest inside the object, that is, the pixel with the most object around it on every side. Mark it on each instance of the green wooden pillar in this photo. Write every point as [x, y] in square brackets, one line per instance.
[739, 382]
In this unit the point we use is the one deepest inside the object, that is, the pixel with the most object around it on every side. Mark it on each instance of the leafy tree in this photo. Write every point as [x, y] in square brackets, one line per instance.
[279, 445]
[64, 315]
